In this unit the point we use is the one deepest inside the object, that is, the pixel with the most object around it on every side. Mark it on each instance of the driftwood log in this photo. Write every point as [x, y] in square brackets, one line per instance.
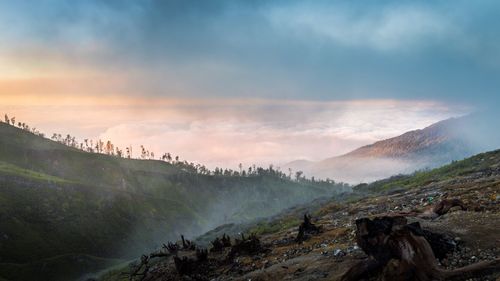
[438, 209]
[399, 251]
[441, 208]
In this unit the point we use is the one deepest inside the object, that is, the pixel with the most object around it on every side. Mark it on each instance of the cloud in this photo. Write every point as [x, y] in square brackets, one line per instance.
[225, 132]
[387, 28]
[270, 132]
[322, 50]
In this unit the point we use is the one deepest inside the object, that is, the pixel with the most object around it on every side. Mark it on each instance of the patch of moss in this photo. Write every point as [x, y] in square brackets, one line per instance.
[274, 226]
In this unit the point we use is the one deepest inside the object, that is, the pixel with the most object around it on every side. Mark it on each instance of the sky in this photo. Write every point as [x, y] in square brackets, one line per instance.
[223, 82]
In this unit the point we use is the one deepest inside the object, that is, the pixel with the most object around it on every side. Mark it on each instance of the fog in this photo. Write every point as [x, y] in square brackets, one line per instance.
[453, 139]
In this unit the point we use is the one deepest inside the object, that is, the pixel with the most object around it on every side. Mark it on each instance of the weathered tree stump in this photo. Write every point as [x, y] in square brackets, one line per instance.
[248, 246]
[185, 265]
[226, 240]
[201, 255]
[187, 244]
[192, 266]
[219, 244]
[172, 248]
[306, 229]
[398, 251]
[144, 265]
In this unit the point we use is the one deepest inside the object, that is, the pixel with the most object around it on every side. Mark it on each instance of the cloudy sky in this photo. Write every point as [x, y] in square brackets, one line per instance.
[223, 82]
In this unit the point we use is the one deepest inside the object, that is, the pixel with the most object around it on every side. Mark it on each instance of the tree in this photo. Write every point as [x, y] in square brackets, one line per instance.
[119, 152]
[7, 120]
[100, 146]
[109, 148]
[143, 152]
[298, 175]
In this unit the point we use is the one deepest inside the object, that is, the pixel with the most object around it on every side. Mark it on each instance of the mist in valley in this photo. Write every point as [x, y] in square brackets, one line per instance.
[126, 124]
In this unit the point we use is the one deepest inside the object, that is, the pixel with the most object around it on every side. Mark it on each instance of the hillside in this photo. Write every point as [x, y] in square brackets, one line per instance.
[442, 137]
[469, 232]
[65, 212]
[433, 146]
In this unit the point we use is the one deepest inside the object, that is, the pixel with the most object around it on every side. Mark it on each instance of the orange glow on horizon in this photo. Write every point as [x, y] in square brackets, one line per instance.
[111, 91]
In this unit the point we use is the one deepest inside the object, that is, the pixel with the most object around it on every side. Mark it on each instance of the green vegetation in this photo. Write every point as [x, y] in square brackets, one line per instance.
[58, 202]
[64, 267]
[478, 163]
[275, 225]
[20, 172]
[291, 218]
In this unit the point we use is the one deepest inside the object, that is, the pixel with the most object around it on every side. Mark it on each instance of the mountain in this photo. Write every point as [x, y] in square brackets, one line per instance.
[64, 212]
[466, 233]
[433, 146]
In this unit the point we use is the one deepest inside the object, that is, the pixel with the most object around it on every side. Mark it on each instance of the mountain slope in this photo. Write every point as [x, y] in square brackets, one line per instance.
[440, 137]
[471, 231]
[59, 204]
[435, 145]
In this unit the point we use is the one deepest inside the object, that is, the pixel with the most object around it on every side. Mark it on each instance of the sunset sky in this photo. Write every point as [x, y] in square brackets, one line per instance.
[223, 82]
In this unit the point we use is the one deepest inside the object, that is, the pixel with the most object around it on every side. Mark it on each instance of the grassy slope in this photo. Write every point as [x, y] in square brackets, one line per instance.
[479, 163]
[56, 201]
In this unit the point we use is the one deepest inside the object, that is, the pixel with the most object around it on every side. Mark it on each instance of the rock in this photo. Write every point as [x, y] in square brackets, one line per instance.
[338, 253]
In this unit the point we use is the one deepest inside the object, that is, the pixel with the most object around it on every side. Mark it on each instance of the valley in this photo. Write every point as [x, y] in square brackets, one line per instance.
[471, 232]
[59, 205]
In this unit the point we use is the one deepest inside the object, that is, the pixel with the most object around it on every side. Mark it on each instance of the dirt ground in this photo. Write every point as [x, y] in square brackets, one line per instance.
[329, 254]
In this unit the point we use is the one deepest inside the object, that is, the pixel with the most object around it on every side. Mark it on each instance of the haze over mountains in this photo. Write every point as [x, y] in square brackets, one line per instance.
[64, 211]
[62, 204]
[430, 147]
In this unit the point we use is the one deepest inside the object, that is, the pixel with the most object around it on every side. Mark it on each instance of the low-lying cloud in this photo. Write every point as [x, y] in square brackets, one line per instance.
[228, 132]
[271, 132]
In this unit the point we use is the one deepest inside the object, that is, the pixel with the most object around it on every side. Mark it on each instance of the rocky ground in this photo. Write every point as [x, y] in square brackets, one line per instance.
[474, 233]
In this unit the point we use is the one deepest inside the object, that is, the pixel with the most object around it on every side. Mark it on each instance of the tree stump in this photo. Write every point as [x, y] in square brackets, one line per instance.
[306, 229]
[400, 251]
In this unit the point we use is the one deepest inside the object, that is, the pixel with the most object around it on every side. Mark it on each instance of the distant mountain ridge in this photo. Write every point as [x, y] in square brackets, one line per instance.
[430, 147]
[414, 142]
